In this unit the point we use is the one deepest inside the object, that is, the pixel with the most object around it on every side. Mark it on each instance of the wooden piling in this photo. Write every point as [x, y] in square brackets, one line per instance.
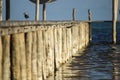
[7, 9]
[6, 57]
[28, 45]
[89, 15]
[51, 51]
[37, 10]
[44, 11]
[69, 42]
[15, 57]
[64, 45]
[60, 44]
[22, 56]
[44, 61]
[1, 2]
[0, 58]
[114, 18]
[74, 14]
[79, 30]
[39, 54]
[34, 56]
[57, 58]
[90, 20]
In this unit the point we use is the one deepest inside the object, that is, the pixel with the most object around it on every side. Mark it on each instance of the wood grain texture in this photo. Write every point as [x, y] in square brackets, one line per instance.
[0, 58]
[28, 45]
[6, 57]
[15, 57]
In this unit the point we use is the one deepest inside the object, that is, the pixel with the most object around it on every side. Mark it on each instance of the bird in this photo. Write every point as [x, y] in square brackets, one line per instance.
[26, 15]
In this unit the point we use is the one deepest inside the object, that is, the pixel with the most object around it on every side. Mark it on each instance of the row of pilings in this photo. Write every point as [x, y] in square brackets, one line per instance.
[34, 50]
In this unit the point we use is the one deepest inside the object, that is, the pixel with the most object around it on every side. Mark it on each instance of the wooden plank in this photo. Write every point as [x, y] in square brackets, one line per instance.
[44, 62]
[11, 24]
[51, 51]
[64, 45]
[22, 56]
[34, 56]
[57, 56]
[0, 58]
[6, 57]
[39, 54]
[15, 57]
[28, 45]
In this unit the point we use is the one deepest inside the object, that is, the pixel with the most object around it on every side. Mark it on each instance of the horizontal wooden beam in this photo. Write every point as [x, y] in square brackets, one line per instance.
[35, 23]
[23, 27]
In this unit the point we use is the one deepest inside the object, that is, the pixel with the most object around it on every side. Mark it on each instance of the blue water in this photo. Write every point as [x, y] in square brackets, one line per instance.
[102, 32]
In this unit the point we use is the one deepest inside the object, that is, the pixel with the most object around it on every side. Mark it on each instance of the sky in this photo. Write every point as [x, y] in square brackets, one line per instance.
[62, 9]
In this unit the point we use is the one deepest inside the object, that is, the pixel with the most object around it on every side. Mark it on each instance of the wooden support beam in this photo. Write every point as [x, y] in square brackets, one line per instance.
[37, 10]
[6, 57]
[7, 9]
[1, 10]
[114, 18]
[74, 14]
[90, 19]
[89, 15]
[28, 45]
[22, 56]
[1, 59]
[44, 11]
[34, 56]
[15, 57]
[39, 54]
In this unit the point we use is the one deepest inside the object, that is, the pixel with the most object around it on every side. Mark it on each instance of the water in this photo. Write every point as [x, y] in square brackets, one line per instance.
[102, 32]
[101, 61]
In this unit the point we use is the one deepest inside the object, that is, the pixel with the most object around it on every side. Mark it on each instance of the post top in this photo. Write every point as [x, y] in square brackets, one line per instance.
[42, 1]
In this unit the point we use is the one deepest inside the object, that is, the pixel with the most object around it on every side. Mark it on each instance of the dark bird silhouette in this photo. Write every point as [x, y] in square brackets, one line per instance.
[26, 15]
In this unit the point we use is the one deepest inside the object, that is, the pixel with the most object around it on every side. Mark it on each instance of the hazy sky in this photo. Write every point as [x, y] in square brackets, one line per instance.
[62, 9]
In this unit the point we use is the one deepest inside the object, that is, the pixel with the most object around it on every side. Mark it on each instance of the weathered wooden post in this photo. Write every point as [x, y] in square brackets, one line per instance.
[15, 57]
[90, 19]
[22, 56]
[74, 14]
[7, 9]
[34, 56]
[39, 54]
[6, 57]
[44, 61]
[0, 59]
[1, 10]
[44, 8]
[44, 11]
[114, 18]
[89, 15]
[28, 45]
[37, 10]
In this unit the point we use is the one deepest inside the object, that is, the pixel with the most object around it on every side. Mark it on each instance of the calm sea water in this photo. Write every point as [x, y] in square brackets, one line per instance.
[102, 32]
[100, 61]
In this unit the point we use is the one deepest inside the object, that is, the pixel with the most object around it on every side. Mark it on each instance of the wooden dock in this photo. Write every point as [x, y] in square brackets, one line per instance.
[35, 50]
